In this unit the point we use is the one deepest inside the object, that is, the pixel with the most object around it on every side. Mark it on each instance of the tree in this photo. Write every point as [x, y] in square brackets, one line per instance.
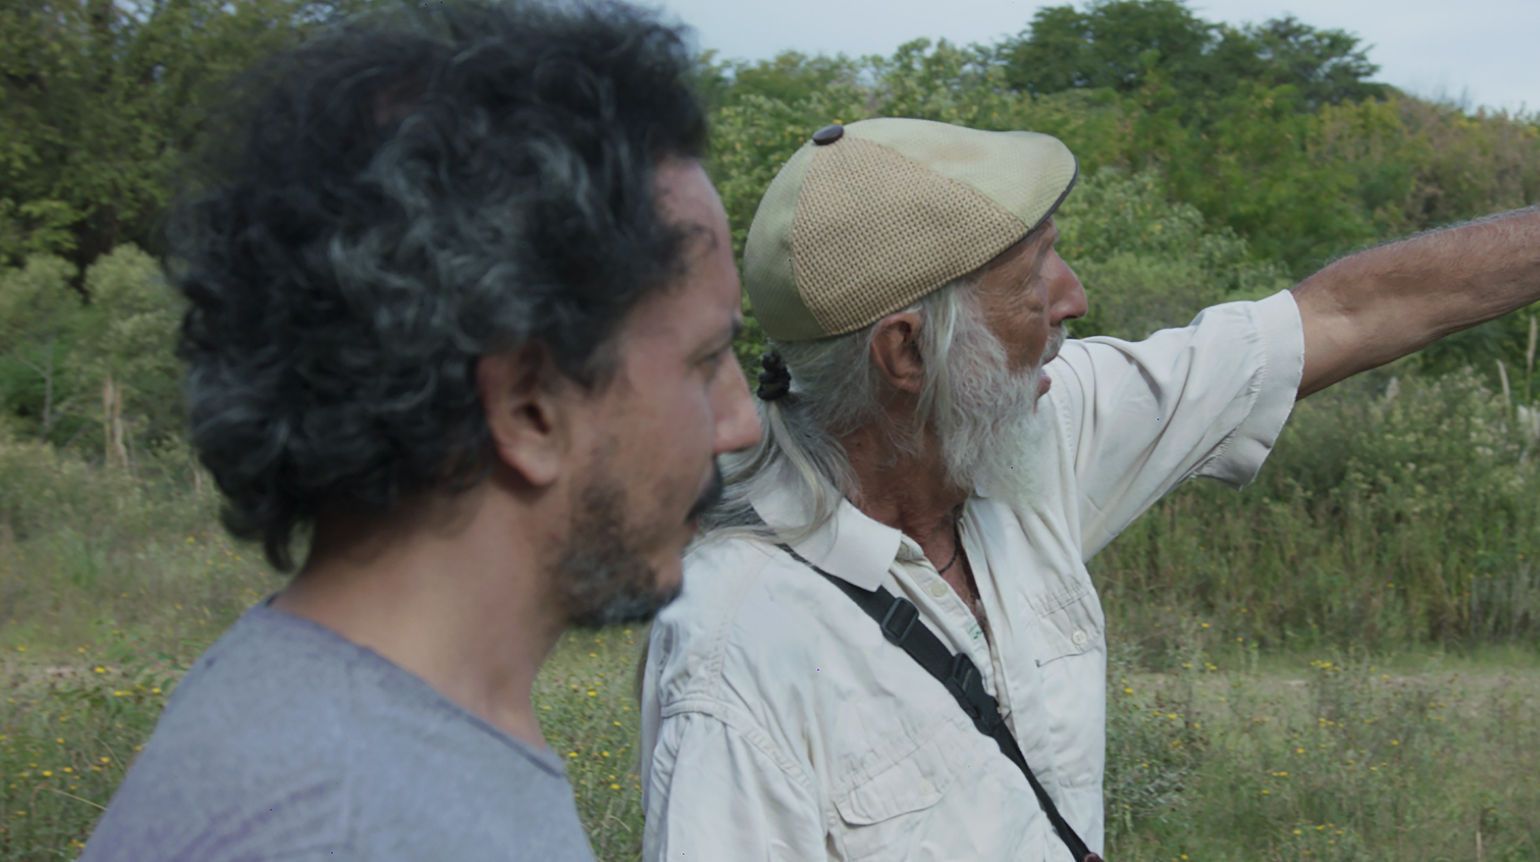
[132, 324]
[1113, 44]
[100, 98]
[40, 384]
[1121, 44]
[1326, 67]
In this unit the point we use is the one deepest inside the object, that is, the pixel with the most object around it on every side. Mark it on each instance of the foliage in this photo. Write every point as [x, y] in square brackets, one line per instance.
[99, 376]
[1114, 44]
[1395, 510]
[100, 98]
[133, 321]
[1123, 45]
[41, 389]
[1148, 263]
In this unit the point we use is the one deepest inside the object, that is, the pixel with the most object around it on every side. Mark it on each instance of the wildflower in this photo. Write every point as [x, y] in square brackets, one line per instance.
[59, 740]
[99, 669]
[104, 759]
[1127, 690]
[1395, 742]
[48, 773]
[1205, 626]
[614, 786]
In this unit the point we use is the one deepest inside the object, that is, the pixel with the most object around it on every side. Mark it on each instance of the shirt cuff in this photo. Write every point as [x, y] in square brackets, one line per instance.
[1273, 391]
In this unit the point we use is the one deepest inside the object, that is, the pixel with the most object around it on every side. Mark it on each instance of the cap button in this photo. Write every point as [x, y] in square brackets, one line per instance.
[828, 134]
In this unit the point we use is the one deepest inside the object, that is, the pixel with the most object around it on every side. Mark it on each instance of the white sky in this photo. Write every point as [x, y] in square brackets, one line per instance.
[1480, 52]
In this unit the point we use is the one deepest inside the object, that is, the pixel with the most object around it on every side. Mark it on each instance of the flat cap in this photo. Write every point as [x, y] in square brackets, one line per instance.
[866, 219]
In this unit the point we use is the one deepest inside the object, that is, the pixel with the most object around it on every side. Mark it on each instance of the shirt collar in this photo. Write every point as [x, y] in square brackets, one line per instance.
[851, 545]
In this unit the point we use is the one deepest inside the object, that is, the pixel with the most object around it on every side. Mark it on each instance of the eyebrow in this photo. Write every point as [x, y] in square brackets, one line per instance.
[1051, 236]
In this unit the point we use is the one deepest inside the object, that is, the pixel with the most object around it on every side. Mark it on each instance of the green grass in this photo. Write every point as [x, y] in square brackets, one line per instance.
[1392, 536]
[1251, 756]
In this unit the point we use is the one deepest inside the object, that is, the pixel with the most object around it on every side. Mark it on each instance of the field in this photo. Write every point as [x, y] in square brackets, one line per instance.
[1242, 756]
[1340, 663]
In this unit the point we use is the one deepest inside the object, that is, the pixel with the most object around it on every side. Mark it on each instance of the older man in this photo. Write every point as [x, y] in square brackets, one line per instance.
[889, 635]
[461, 306]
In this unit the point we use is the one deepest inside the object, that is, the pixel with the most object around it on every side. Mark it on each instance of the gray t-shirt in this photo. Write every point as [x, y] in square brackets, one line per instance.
[286, 741]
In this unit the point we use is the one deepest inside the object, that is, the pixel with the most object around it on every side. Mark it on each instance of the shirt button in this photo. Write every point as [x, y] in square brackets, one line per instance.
[1079, 637]
[939, 588]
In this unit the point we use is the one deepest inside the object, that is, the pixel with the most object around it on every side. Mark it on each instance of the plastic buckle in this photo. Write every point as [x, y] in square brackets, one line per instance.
[967, 685]
[899, 620]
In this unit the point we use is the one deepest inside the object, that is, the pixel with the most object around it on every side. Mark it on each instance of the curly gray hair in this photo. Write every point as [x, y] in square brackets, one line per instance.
[401, 196]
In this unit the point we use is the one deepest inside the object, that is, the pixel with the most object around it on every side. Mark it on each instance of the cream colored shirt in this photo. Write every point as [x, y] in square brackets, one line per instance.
[779, 724]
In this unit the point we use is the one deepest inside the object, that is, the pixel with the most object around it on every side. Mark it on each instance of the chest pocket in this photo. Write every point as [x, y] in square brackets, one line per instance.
[1070, 623]
[882, 813]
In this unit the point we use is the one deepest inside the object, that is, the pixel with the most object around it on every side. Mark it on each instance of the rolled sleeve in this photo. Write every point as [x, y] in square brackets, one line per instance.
[1209, 399]
[716, 792]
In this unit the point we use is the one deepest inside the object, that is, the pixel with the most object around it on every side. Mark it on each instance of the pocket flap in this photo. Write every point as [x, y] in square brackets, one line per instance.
[1070, 629]
[913, 783]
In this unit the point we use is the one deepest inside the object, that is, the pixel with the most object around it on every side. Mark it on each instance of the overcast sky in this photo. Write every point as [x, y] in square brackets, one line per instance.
[1484, 52]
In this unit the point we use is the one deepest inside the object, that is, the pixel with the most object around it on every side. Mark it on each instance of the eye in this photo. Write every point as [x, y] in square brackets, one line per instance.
[712, 362]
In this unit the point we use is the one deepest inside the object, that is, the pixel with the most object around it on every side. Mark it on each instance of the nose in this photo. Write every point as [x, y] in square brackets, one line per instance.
[1069, 300]
[737, 420]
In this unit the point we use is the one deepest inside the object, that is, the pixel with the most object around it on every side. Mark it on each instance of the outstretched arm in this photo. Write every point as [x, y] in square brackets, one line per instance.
[1369, 308]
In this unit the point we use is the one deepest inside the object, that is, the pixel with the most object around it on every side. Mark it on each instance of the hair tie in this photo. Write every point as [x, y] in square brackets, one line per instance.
[775, 380]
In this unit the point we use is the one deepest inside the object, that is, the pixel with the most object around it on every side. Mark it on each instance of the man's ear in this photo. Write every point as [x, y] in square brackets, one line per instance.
[896, 351]
[520, 393]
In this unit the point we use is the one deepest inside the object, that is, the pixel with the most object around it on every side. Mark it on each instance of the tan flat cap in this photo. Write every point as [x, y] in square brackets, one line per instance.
[868, 218]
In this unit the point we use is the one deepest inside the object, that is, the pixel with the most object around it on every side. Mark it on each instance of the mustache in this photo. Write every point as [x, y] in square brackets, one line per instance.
[709, 497]
[1056, 341]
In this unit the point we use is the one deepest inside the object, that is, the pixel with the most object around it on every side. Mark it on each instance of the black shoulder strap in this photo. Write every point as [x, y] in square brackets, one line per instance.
[900, 622]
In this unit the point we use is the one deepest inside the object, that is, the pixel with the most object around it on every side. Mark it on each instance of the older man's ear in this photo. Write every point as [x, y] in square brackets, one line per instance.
[896, 351]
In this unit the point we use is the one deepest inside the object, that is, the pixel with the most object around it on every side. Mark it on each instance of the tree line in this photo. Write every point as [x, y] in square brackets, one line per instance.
[1216, 162]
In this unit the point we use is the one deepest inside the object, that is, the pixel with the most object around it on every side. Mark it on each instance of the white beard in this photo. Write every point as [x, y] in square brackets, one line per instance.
[988, 425]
